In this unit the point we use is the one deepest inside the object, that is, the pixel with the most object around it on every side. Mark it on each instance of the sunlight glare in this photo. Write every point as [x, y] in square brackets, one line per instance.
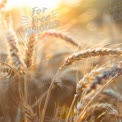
[34, 3]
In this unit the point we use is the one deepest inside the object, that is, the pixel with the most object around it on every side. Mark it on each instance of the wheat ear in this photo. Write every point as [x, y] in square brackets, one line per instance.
[91, 53]
[93, 97]
[12, 39]
[61, 36]
[108, 109]
[87, 79]
[105, 75]
[30, 51]
[31, 116]
[82, 85]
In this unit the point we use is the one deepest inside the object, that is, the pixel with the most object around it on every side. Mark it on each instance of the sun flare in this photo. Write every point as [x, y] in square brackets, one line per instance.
[40, 3]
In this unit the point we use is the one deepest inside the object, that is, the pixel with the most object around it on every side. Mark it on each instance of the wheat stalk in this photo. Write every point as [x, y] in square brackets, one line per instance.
[110, 73]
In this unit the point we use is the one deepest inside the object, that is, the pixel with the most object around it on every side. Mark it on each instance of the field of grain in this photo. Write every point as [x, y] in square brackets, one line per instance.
[61, 63]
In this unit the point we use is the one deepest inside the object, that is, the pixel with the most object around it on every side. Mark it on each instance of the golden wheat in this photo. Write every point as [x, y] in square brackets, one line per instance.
[30, 50]
[61, 36]
[91, 53]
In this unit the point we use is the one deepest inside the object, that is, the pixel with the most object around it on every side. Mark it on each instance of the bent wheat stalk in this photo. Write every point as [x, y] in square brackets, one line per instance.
[61, 36]
[91, 53]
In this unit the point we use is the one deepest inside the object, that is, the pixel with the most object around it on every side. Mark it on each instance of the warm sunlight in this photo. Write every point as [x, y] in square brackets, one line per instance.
[43, 3]
[60, 60]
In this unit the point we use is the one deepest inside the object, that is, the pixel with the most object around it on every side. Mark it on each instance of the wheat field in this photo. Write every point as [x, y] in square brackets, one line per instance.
[61, 65]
